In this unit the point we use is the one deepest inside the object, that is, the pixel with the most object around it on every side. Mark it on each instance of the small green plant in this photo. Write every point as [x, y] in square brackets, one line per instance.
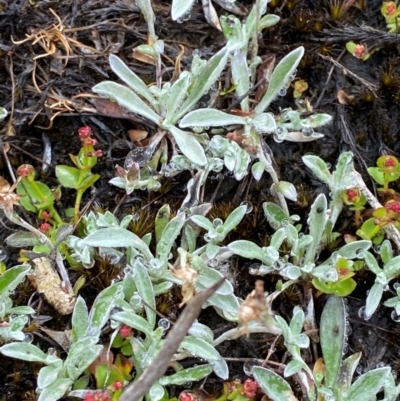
[391, 12]
[331, 379]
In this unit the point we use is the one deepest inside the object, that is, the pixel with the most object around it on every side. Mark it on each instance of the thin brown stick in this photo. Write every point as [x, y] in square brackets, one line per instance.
[136, 390]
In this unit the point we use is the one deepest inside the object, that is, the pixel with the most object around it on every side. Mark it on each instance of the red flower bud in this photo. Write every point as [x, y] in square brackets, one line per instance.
[185, 396]
[117, 385]
[98, 153]
[391, 9]
[125, 332]
[46, 215]
[45, 228]
[249, 388]
[351, 194]
[25, 170]
[90, 141]
[389, 162]
[84, 132]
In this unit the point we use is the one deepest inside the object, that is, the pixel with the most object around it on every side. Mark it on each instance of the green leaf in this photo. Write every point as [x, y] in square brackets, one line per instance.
[209, 277]
[332, 332]
[56, 390]
[202, 83]
[101, 309]
[24, 351]
[68, 176]
[386, 251]
[373, 299]
[280, 77]
[189, 146]
[125, 97]
[170, 234]
[186, 375]
[210, 118]
[47, 375]
[276, 388]
[347, 370]
[317, 218]
[130, 78]
[116, 237]
[319, 168]
[234, 219]
[162, 219]
[240, 78]
[372, 263]
[257, 169]
[11, 278]
[246, 249]
[22, 239]
[274, 214]
[268, 21]
[180, 8]
[377, 175]
[135, 321]
[293, 367]
[353, 249]
[80, 319]
[145, 290]
[203, 222]
[368, 384]
[176, 95]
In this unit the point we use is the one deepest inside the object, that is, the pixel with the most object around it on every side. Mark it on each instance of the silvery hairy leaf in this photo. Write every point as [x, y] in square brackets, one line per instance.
[127, 98]
[130, 78]
[240, 77]
[180, 8]
[281, 76]
[210, 118]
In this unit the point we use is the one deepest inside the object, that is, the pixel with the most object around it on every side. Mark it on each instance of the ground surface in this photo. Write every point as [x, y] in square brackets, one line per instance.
[41, 97]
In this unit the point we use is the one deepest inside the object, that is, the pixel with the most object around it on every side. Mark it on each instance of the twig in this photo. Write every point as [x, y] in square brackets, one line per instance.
[136, 390]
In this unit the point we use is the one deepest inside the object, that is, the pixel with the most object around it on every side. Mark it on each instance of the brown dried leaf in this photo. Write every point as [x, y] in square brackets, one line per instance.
[344, 98]
[210, 14]
[137, 135]
[264, 73]
[7, 196]
[63, 338]
[49, 284]
[110, 109]
[188, 276]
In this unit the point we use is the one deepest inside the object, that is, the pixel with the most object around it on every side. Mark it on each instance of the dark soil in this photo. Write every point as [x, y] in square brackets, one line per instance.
[45, 110]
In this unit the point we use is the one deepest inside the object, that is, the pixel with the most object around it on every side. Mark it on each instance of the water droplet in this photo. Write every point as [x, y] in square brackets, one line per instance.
[380, 365]
[217, 223]
[348, 330]
[386, 287]
[260, 35]
[362, 315]
[307, 131]
[359, 369]
[396, 286]
[196, 52]
[165, 324]
[220, 177]
[139, 259]
[377, 248]
[114, 311]
[320, 209]
[248, 367]
[360, 254]
[213, 262]
[207, 237]
[3, 253]
[395, 317]
[128, 269]
[13, 316]
[28, 338]
[328, 165]
[284, 222]
[345, 349]
[135, 216]
[301, 235]
[230, 21]
[249, 206]
[282, 92]
[136, 301]
[170, 256]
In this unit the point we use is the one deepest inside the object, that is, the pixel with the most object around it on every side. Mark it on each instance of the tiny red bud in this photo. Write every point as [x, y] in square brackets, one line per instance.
[390, 162]
[117, 385]
[359, 51]
[249, 388]
[45, 228]
[46, 215]
[351, 194]
[125, 332]
[390, 9]
[84, 132]
[89, 397]
[98, 153]
[90, 141]
[343, 271]
[25, 170]
[185, 396]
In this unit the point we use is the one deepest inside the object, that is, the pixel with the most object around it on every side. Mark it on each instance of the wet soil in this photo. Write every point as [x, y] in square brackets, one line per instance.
[41, 94]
